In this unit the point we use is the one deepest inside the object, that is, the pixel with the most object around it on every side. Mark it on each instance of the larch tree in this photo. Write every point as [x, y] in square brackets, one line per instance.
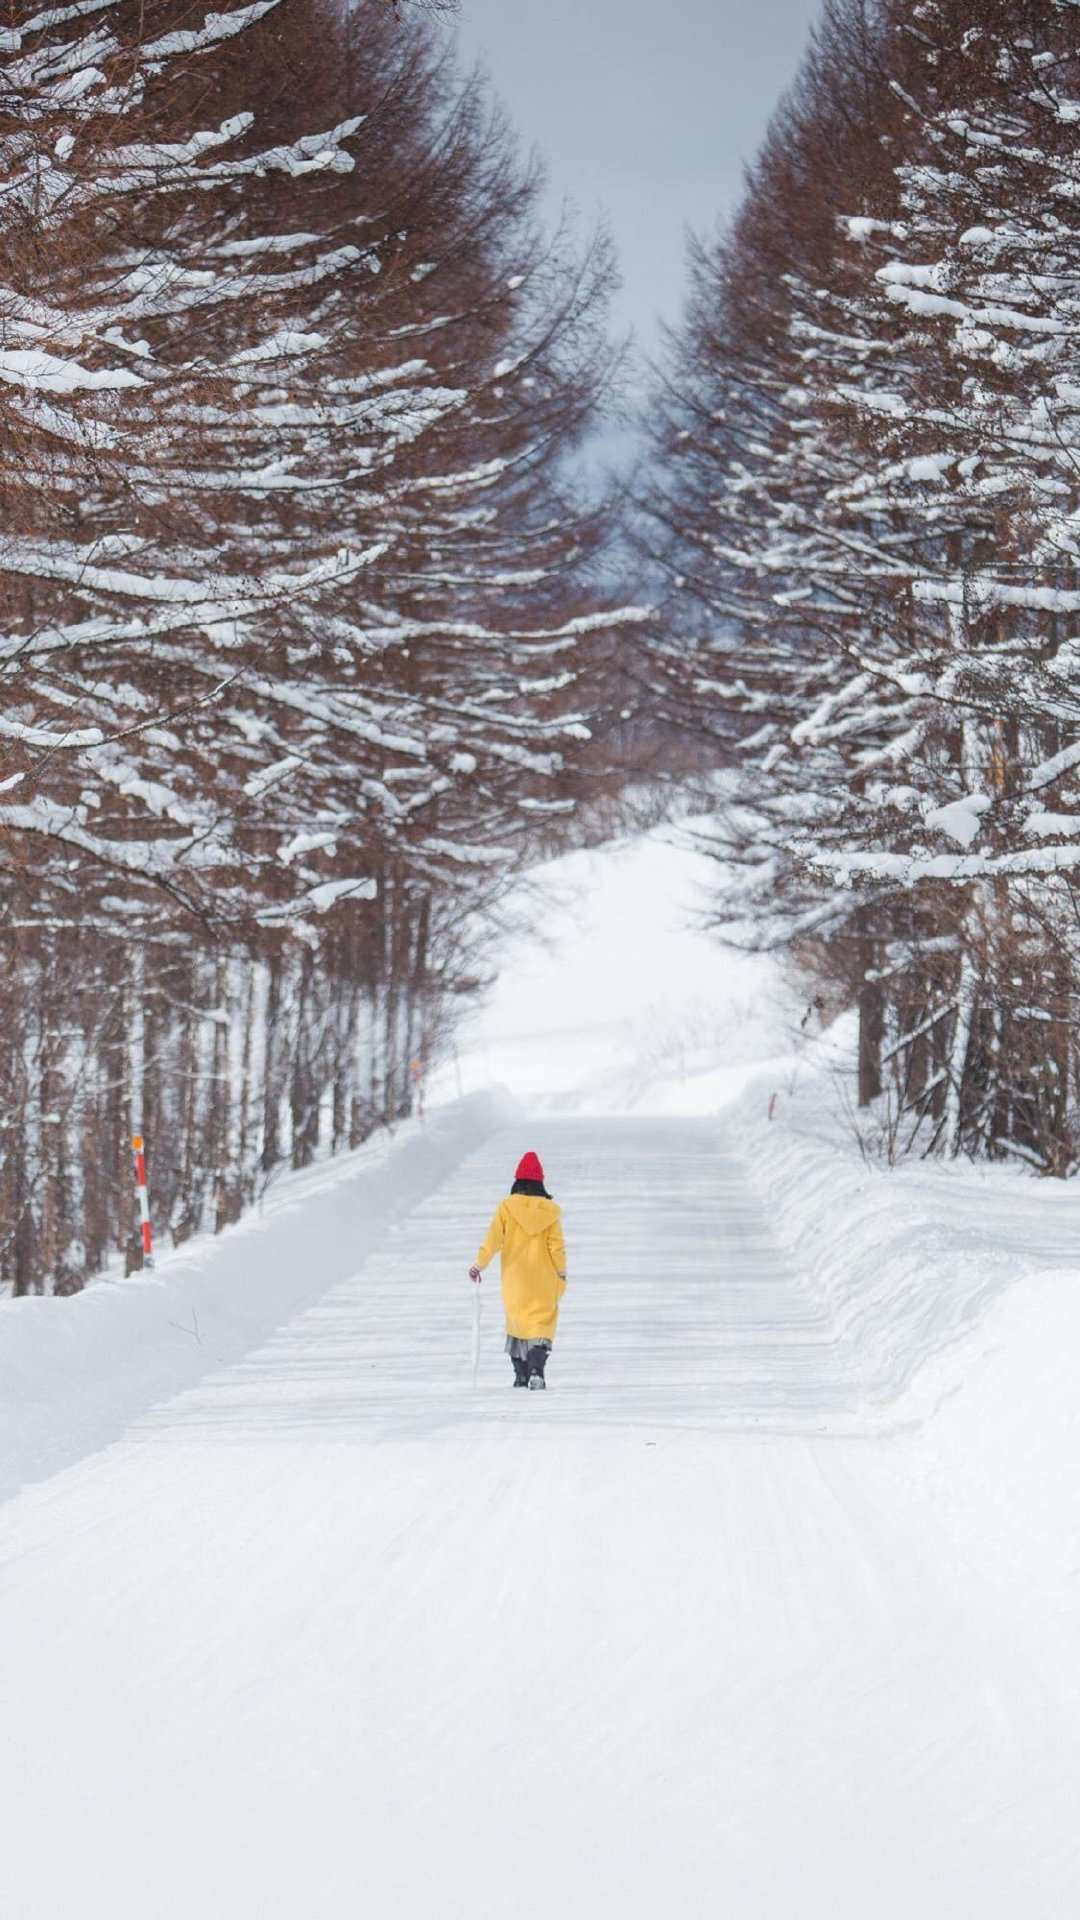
[305, 623]
[869, 491]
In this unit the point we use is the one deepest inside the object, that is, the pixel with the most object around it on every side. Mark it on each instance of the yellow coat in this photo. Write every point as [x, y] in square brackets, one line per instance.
[527, 1231]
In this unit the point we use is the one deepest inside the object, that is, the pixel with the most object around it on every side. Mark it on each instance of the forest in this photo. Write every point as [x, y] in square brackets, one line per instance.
[863, 501]
[306, 626]
[318, 627]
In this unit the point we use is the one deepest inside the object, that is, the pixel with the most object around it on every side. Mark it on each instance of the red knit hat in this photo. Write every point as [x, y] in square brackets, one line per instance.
[529, 1168]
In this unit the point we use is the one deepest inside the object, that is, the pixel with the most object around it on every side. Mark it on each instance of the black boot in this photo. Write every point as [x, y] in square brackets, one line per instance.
[521, 1371]
[536, 1364]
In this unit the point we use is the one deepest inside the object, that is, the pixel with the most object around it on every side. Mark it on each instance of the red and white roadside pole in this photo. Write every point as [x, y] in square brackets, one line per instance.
[138, 1149]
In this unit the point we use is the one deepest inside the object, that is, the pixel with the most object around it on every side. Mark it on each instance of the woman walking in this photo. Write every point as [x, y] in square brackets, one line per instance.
[527, 1232]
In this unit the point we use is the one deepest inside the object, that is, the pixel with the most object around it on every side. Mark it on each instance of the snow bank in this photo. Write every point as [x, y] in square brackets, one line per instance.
[998, 1460]
[75, 1372]
[950, 1295]
[904, 1263]
[955, 1290]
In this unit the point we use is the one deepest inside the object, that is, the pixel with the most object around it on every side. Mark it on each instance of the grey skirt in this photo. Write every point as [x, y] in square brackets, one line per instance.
[519, 1349]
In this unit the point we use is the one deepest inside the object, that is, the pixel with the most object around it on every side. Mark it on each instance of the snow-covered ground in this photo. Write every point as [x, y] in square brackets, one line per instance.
[610, 999]
[768, 1608]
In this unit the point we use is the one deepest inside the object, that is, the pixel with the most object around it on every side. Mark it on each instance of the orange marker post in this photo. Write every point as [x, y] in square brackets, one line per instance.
[138, 1149]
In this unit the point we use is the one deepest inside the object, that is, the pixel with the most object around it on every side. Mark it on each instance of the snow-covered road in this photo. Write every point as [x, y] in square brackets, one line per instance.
[334, 1633]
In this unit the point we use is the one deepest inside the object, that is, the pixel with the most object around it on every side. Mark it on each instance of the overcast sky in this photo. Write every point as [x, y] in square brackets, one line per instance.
[644, 108]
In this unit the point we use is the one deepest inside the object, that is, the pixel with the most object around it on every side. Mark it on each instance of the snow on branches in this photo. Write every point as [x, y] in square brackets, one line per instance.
[300, 636]
[871, 467]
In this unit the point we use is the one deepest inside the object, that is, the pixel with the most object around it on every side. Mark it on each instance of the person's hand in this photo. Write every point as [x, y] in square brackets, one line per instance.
[475, 1274]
